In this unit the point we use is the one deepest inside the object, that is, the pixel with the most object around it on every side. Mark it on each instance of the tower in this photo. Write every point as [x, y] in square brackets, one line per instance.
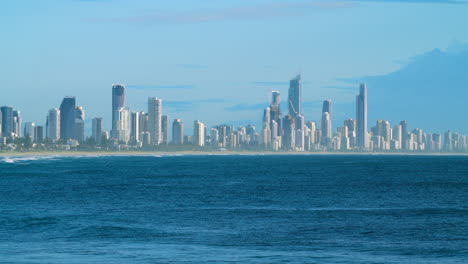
[67, 118]
[155, 120]
[118, 101]
[362, 135]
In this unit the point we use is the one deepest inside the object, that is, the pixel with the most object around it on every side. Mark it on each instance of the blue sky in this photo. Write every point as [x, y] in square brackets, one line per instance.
[217, 60]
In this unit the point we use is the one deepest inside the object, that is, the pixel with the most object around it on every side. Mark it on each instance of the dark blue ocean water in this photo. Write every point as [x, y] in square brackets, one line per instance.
[234, 209]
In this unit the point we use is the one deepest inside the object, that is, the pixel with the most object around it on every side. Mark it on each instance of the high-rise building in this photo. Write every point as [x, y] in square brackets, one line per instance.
[351, 124]
[142, 123]
[39, 134]
[397, 137]
[266, 117]
[326, 128]
[155, 120]
[165, 129]
[135, 130]
[177, 132]
[17, 123]
[404, 133]
[300, 133]
[98, 128]
[79, 124]
[123, 125]
[327, 107]
[294, 97]
[198, 133]
[362, 134]
[214, 137]
[7, 121]
[53, 125]
[67, 118]
[289, 136]
[312, 131]
[30, 131]
[118, 101]
[275, 111]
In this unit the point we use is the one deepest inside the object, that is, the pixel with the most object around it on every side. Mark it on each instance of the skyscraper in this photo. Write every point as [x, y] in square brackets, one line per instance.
[53, 125]
[79, 124]
[39, 134]
[198, 133]
[177, 132]
[404, 134]
[67, 118]
[97, 128]
[17, 123]
[326, 129]
[361, 118]
[135, 130]
[7, 121]
[154, 120]
[294, 97]
[327, 107]
[123, 125]
[289, 137]
[165, 129]
[29, 131]
[275, 112]
[118, 101]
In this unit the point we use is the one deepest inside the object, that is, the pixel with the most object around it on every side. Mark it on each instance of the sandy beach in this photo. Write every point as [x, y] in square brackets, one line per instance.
[182, 153]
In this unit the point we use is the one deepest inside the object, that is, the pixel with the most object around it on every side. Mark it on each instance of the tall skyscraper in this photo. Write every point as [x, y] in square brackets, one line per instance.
[67, 118]
[53, 125]
[294, 97]
[198, 133]
[404, 134]
[29, 130]
[289, 137]
[1, 116]
[327, 107]
[155, 120]
[214, 137]
[165, 129]
[275, 112]
[135, 130]
[123, 125]
[17, 123]
[143, 123]
[97, 128]
[177, 132]
[39, 134]
[361, 118]
[7, 121]
[326, 128]
[266, 117]
[118, 101]
[79, 124]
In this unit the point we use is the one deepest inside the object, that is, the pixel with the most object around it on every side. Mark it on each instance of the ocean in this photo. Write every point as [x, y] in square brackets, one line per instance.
[234, 209]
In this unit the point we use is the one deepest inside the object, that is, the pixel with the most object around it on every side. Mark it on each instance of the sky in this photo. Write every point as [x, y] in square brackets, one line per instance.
[218, 61]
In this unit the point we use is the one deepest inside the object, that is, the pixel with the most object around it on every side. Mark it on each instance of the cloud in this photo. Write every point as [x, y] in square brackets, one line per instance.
[160, 87]
[246, 107]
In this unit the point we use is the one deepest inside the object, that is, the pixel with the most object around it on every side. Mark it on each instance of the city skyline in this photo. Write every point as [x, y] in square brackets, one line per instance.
[133, 128]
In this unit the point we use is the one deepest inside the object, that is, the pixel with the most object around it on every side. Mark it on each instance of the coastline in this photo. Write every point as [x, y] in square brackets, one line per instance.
[209, 153]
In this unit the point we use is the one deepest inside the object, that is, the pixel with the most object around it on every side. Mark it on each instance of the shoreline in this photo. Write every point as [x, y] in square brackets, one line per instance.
[211, 153]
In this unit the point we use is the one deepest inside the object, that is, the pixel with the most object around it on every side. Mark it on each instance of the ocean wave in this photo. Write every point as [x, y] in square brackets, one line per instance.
[19, 159]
